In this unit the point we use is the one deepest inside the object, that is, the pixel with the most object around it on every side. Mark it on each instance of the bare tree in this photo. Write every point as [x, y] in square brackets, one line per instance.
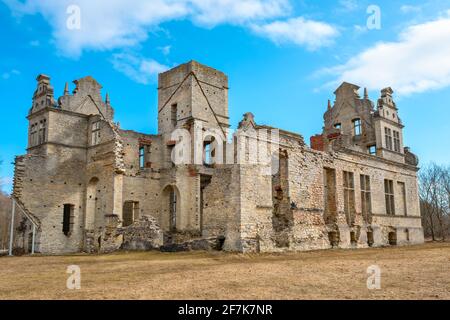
[5, 212]
[435, 200]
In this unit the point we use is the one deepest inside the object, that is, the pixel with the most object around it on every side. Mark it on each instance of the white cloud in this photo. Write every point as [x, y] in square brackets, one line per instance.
[410, 9]
[300, 31]
[418, 61]
[140, 69]
[348, 5]
[213, 12]
[165, 50]
[110, 24]
[8, 74]
[359, 29]
[104, 24]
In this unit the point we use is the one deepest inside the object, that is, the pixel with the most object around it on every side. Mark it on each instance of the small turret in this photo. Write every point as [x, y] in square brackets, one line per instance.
[43, 96]
[66, 89]
[386, 106]
[389, 128]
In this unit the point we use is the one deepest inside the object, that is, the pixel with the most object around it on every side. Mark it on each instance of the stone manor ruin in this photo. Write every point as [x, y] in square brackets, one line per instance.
[87, 185]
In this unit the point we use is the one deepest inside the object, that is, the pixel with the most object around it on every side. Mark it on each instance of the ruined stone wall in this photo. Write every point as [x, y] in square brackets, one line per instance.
[210, 95]
[307, 191]
[221, 203]
[142, 185]
[222, 207]
[246, 206]
[66, 128]
[198, 91]
[59, 172]
[86, 99]
[256, 209]
[311, 227]
[51, 183]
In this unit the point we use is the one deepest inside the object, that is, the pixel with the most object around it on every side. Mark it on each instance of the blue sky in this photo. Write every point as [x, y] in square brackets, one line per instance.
[284, 59]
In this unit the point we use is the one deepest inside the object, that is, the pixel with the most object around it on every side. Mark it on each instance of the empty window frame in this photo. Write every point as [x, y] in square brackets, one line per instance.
[402, 195]
[42, 131]
[372, 150]
[173, 115]
[142, 157]
[95, 133]
[366, 197]
[338, 126]
[349, 195]
[33, 134]
[173, 210]
[388, 138]
[130, 213]
[357, 130]
[396, 141]
[208, 154]
[68, 214]
[389, 196]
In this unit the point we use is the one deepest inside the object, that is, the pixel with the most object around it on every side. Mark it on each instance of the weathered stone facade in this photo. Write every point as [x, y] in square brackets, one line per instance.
[91, 186]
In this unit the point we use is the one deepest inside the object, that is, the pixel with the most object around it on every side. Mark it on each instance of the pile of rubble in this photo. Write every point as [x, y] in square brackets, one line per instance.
[144, 234]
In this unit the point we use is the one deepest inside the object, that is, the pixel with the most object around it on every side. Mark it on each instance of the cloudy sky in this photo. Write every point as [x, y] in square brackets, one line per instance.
[284, 59]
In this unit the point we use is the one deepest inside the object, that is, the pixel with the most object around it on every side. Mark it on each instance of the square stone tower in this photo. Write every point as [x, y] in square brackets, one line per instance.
[192, 92]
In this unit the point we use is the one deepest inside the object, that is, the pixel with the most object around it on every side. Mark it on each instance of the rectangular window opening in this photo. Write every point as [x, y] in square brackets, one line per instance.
[389, 197]
[349, 197]
[95, 133]
[42, 131]
[388, 138]
[173, 114]
[402, 194]
[68, 216]
[33, 135]
[130, 213]
[357, 131]
[396, 141]
[142, 157]
[372, 150]
[366, 196]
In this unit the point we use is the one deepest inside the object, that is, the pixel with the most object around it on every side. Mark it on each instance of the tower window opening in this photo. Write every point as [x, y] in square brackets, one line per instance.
[388, 138]
[33, 135]
[173, 114]
[42, 131]
[95, 133]
[389, 196]
[68, 215]
[142, 157]
[396, 141]
[357, 127]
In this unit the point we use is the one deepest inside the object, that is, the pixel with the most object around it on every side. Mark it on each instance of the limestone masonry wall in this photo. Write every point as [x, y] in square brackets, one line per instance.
[95, 187]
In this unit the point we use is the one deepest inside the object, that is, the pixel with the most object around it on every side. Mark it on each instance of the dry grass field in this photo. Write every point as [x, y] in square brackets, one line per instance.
[418, 272]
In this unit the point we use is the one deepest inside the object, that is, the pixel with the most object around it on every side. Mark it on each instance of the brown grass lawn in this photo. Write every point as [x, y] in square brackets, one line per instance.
[418, 272]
